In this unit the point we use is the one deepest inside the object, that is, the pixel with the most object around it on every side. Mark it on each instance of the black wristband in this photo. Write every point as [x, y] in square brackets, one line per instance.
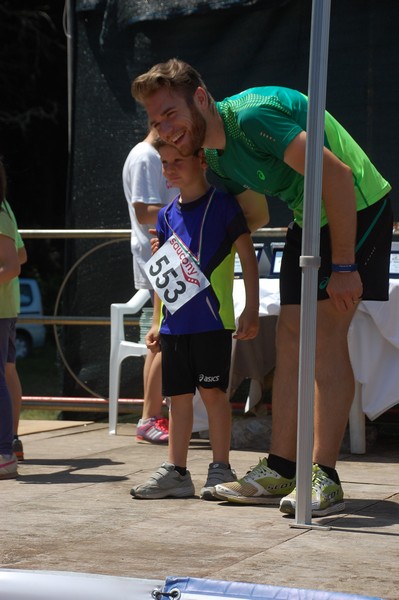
[344, 268]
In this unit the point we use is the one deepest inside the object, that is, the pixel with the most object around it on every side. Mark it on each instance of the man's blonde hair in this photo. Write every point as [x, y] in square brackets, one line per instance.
[175, 74]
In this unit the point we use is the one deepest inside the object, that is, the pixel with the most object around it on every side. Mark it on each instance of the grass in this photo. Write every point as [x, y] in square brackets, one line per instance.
[40, 375]
[39, 415]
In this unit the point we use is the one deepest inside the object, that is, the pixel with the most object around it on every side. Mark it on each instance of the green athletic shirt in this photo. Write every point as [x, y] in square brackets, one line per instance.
[9, 292]
[259, 125]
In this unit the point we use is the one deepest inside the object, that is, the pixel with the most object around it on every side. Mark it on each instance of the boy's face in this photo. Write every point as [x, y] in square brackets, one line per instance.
[176, 122]
[180, 170]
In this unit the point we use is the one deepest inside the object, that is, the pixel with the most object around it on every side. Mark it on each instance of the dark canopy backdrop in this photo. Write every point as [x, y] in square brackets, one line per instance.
[235, 45]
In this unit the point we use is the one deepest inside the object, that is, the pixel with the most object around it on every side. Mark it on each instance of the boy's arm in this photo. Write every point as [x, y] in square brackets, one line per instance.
[146, 214]
[248, 321]
[152, 337]
[255, 209]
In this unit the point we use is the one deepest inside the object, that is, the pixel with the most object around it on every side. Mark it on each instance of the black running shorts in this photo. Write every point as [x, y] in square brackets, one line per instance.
[193, 360]
[373, 250]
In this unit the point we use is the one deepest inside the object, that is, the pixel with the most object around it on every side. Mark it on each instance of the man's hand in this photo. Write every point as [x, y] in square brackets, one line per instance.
[345, 290]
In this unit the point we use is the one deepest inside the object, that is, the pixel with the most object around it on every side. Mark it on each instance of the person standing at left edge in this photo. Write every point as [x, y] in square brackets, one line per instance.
[10, 268]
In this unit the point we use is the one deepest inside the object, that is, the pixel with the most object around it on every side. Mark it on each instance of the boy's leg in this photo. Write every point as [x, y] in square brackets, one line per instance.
[212, 359]
[152, 386]
[180, 428]
[172, 479]
[219, 416]
[152, 427]
[169, 481]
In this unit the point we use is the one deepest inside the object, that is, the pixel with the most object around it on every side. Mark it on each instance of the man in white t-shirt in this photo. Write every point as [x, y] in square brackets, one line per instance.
[146, 191]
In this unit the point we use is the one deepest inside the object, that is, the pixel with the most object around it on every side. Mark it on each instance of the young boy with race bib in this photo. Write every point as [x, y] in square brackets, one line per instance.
[192, 274]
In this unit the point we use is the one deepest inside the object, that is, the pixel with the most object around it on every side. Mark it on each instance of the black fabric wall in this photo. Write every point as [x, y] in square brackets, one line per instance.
[234, 45]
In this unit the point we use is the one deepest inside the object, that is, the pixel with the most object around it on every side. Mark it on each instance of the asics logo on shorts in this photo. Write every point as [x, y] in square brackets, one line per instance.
[208, 378]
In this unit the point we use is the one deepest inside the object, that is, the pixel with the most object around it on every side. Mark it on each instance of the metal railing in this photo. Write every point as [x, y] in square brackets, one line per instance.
[112, 235]
[95, 402]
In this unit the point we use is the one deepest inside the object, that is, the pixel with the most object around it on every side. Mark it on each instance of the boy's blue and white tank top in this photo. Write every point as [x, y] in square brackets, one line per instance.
[209, 227]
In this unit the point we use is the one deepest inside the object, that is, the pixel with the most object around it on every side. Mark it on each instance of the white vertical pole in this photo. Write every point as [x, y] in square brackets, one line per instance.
[310, 259]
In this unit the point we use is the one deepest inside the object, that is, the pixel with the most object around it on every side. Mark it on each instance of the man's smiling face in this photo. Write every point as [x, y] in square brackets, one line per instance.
[176, 122]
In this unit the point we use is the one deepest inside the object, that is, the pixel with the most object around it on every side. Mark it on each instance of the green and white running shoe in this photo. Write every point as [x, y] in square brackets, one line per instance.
[261, 485]
[327, 496]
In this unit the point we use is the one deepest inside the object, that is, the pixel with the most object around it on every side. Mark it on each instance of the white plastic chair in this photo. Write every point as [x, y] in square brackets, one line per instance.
[121, 349]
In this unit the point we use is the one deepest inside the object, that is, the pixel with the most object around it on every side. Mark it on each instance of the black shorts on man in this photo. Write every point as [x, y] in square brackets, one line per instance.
[373, 251]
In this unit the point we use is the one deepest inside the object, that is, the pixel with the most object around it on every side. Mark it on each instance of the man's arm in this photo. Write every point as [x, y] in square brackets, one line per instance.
[248, 321]
[255, 209]
[339, 199]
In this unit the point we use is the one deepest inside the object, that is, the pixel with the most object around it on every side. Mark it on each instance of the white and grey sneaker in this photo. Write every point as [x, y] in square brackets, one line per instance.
[217, 473]
[166, 482]
[8, 466]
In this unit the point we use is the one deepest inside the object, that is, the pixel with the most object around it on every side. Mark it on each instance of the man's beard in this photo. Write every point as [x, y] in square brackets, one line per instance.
[197, 133]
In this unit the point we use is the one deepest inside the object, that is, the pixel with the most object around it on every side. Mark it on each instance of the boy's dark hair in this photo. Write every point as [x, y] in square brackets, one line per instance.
[160, 143]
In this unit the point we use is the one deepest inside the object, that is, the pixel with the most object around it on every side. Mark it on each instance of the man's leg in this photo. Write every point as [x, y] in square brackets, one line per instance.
[271, 479]
[335, 386]
[285, 384]
[334, 389]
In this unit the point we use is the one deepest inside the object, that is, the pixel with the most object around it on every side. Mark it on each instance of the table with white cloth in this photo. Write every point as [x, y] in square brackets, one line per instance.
[255, 359]
[373, 341]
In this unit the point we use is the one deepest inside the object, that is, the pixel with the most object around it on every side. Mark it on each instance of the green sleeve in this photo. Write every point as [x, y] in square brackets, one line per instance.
[269, 128]
[19, 241]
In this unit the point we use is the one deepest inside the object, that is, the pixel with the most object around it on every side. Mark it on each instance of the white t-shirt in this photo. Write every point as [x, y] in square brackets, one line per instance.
[143, 181]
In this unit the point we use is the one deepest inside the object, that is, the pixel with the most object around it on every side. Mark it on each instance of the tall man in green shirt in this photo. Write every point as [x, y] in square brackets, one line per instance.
[255, 143]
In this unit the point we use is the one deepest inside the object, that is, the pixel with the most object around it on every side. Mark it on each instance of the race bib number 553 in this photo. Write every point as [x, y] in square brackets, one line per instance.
[174, 275]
